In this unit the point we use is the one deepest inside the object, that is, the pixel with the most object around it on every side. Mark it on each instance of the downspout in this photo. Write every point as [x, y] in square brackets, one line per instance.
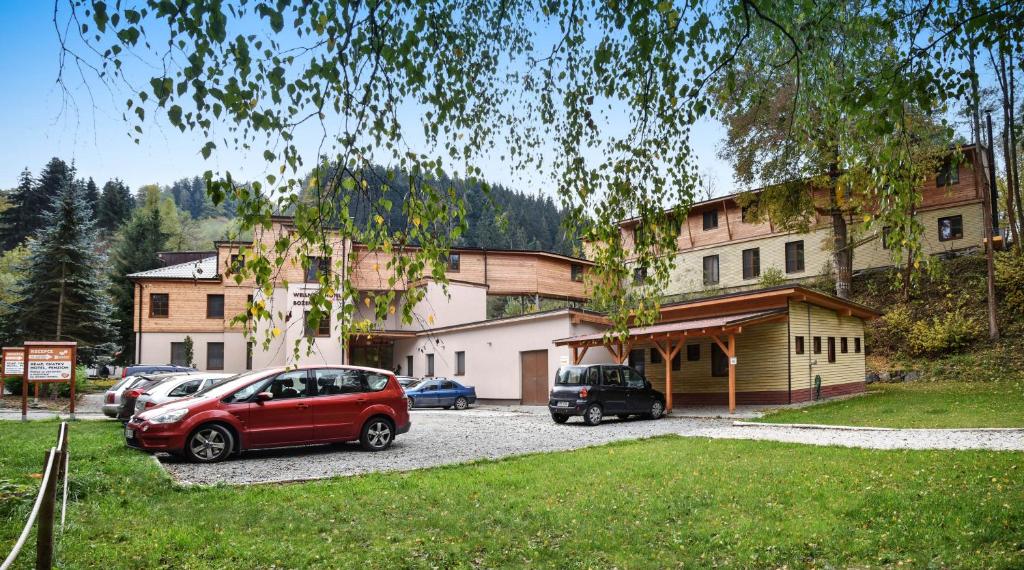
[810, 353]
[789, 354]
[138, 342]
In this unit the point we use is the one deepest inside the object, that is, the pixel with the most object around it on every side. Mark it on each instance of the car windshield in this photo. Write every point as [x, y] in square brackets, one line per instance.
[571, 376]
[212, 389]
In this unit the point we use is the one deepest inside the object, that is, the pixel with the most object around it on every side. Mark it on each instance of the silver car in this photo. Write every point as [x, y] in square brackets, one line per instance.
[112, 398]
[179, 387]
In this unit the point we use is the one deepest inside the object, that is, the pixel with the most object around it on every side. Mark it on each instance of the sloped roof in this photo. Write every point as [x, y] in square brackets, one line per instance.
[205, 268]
[718, 322]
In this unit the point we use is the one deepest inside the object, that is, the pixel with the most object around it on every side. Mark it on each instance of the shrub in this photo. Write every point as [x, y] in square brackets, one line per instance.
[890, 333]
[772, 277]
[950, 332]
[1010, 282]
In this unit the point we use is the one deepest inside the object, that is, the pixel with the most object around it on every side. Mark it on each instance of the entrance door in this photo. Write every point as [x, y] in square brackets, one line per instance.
[534, 366]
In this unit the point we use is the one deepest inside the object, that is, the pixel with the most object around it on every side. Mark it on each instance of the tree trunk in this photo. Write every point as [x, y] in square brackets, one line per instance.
[1011, 199]
[1013, 154]
[60, 300]
[842, 254]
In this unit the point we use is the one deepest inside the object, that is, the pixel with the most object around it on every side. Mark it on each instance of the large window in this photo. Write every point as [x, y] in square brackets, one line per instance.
[710, 219]
[794, 256]
[334, 381]
[460, 363]
[752, 263]
[577, 272]
[178, 354]
[215, 306]
[719, 361]
[430, 365]
[951, 227]
[159, 305]
[711, 270]
[215, 356]
[317, 266]
[323, 327]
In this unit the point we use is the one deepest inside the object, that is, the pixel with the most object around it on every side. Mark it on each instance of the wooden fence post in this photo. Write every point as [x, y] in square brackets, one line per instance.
[44, 530]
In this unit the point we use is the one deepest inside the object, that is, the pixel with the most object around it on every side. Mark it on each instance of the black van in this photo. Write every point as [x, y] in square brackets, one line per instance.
[596, 390]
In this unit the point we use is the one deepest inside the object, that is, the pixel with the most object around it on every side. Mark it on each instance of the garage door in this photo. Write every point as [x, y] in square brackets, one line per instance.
[534, 365]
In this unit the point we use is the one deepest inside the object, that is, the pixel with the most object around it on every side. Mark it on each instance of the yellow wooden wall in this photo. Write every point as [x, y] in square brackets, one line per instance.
[809, 321]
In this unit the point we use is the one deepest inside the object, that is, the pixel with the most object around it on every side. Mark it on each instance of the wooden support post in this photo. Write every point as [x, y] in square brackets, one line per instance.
[732, 373]
[668, 353]
[44, 525]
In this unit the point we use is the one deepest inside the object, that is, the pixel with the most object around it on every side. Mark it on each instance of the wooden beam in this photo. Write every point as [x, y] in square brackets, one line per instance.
[725, 208]
[732, 373]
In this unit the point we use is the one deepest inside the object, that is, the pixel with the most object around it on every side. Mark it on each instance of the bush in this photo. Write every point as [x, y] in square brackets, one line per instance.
[889, 334]
[772, 277]
[1010, 282]
[950, 332]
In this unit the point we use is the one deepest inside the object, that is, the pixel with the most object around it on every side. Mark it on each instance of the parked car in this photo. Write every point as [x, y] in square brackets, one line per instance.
[596, 390]
[277, 408]
[178, 387]
[144, 369]
[440, 393]
[141, 384]
[112, 397]
[407, 381]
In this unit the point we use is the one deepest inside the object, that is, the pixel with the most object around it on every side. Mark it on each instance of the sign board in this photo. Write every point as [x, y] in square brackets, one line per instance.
[49, 363]
[732, 360]
[14, 362]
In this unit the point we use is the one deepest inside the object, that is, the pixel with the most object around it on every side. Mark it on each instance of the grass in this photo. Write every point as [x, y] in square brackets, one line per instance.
[919, 405]
[657, 503]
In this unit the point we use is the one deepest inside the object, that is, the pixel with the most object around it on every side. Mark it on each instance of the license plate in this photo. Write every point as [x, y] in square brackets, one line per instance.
[129, 433]
[562, 404]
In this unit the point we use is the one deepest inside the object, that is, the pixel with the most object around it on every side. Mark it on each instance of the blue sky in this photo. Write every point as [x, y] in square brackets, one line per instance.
[38, 123]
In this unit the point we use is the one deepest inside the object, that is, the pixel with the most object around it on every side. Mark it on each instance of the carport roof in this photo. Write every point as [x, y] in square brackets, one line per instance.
[663, 330]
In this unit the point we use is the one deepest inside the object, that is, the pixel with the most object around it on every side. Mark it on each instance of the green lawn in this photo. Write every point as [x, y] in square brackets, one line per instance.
[657, 503]
[919, 405]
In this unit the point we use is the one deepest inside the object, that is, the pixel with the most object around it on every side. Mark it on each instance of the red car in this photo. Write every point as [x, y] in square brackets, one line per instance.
[277, 408]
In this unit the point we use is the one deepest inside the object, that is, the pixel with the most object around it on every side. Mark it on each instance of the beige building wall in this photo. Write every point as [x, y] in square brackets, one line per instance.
[809, 321]
[156, 348]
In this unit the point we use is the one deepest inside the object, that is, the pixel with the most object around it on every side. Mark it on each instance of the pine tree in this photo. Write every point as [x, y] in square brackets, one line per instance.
[13, 227]
[92, 196]
[115, 205]
[30, 201]
[135, 250]
[63, 295]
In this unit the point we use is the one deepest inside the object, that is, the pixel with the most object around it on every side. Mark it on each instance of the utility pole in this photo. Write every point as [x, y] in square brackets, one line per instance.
[990, 221]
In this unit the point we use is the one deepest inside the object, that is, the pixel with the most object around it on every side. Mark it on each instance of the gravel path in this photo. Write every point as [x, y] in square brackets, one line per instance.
[444, 437]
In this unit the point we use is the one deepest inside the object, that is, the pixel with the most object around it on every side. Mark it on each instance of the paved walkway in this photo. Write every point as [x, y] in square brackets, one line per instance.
[445, 437]
[90, 407]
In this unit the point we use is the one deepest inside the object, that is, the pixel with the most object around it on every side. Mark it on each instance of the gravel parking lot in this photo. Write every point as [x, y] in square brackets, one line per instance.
[443, 437]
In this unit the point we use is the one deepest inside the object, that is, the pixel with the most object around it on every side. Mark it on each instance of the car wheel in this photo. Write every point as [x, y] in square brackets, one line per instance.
[560, 418]
[461, 403]
[411, 404]
[657, 410]
[377, 435]
[209, 444]
[593, 415]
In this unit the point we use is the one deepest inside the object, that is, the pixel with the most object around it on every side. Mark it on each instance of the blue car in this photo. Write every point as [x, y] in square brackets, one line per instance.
[440, 393]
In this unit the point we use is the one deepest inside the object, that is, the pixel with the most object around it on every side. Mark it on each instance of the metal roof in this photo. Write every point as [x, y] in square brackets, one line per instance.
[205, 268]
[720, 322]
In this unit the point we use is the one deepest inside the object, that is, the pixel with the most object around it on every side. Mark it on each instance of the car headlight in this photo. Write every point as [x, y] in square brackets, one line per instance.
[170, 417]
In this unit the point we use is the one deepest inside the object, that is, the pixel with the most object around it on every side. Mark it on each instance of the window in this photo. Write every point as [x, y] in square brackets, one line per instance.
[951, 227]
[236, 262]
[817, 345]
[215, 306]
[677, 361]
[454, 262]
[334, 381]
[719, 361]
[430, 365]
[215, 356]
[844, 346]
[794, 256]
[798, 345]
[948, 175]
[613, 376]
[634, 379]
[248, 355]
[186, 389]
[637, 235]
[710, 219]
[159, 305]
[692, 352]
[752, 263]
[323, 327]
[831, 349]
[639, 276]
[636, 360]
[856, 345]
[746, 214]
[291, 384]
[577, 272]
[408, 365]
[317, 266]
[711, 270]
[447, 385]
[248, 307]
[655, 356]
[886, 231]
[460, 363]
[178, 354]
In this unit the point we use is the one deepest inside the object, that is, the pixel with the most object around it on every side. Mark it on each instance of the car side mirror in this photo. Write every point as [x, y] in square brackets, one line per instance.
[264, 396]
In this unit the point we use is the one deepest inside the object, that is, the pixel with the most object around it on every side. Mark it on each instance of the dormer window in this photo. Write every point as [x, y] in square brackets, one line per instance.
[710, 219]
[948, 175]
[577, 272]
